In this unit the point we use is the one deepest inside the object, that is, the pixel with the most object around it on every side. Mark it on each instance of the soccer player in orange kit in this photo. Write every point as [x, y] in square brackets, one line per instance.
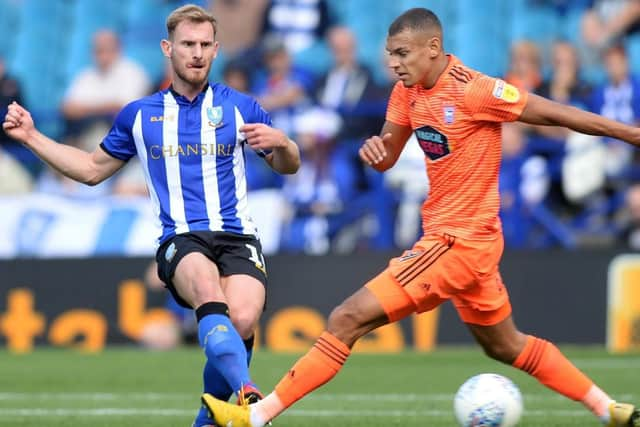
[456, 115]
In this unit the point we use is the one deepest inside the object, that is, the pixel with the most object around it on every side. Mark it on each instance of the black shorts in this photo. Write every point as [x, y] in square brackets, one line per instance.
[232, 254]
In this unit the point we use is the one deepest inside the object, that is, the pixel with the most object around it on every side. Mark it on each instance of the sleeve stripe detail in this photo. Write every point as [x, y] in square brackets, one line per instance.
[463, 71]
[459, 75]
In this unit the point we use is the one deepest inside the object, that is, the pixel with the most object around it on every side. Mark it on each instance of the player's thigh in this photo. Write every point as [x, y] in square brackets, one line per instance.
[486, 301]
[197, 280]
[433, 271]
[407, 285]
[244, 278]
[245, 297]
[185, 266]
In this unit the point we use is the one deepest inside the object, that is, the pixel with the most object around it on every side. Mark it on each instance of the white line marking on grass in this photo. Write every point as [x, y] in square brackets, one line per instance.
[342, 397]
[605, 363]
[109, 412]
[96, 396]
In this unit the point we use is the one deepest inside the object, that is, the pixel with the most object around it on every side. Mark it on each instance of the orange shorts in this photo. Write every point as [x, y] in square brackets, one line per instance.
[439, 268]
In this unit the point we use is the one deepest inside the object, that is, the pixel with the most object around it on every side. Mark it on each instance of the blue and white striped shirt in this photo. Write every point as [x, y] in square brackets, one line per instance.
[192, 155]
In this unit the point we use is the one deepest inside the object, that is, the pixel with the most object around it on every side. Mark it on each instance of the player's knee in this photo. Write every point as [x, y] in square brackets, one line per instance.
[244, 321]
[345, 324]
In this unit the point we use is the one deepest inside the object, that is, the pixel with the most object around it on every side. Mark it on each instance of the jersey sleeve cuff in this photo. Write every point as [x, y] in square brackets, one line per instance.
[114, 155]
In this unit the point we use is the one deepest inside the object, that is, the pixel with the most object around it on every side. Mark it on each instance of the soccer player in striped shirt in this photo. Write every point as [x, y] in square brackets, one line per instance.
[455, 113]
[190, 140]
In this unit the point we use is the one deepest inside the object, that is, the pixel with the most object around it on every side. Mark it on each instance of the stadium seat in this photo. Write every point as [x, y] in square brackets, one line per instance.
[9, 21]
[144, 28]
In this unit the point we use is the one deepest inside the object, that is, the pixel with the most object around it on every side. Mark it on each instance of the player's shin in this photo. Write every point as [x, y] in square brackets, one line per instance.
[321, 363]
[544, 361]
[216, 385]
[222, 344]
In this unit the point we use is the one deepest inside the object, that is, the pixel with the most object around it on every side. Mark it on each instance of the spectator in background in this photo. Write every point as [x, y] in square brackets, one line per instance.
[92, 100]
[523, 184]
[299, 23]
[22, 159]
[321, 196]
[525, 65]
[348, 88]
[98, 92]
[607, 22]
[235, 75]
[618, 99]
[282, 88]
[14, 179]
[241, 23]
[564, 85]
[9, 92]
[302, 25]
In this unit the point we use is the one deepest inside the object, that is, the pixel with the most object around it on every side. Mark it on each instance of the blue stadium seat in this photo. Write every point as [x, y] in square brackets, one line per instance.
[9, 23]
[633, 50]
[479, 39]
[145, 27]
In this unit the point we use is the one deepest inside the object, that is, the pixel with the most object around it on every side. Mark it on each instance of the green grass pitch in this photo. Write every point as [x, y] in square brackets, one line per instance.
[132, 387]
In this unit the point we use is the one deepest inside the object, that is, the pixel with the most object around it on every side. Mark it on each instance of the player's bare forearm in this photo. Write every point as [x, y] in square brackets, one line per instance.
[284, 156]
[382, 152]
[541, 111]
[77, 164]
[70, 161]
[285, 160]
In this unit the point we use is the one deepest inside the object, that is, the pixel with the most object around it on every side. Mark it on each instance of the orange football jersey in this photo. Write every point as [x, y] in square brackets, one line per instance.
[458, 126]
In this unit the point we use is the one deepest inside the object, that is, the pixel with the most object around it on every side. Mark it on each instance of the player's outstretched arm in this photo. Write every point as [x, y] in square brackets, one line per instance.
[284, 156]
[382, 152]
[542, 111]
[88, 168]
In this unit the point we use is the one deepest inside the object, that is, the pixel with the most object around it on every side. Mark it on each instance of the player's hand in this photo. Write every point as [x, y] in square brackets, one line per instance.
[373, 151]
[262, 137]
[18, 123]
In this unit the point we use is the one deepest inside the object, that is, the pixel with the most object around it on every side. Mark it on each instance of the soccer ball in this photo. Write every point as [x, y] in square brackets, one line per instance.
[488, 400]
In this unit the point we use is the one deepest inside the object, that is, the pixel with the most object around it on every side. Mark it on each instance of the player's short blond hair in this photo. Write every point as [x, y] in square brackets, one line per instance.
[192, 13]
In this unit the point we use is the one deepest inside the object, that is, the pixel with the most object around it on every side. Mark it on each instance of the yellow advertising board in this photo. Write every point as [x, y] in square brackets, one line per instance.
[623, 304]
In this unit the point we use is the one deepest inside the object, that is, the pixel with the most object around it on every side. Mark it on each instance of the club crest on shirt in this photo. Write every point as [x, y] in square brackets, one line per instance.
[449, 113]
[434, 144]
[214, 114]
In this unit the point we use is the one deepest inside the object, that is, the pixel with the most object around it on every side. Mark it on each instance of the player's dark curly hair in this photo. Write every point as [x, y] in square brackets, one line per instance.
[416, 19]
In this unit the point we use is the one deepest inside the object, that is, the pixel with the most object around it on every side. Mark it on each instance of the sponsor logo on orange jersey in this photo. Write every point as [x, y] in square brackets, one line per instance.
[506, 92]
[434, 144]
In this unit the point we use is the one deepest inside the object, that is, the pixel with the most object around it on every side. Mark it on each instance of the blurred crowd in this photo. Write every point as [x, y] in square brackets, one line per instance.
[304, 65]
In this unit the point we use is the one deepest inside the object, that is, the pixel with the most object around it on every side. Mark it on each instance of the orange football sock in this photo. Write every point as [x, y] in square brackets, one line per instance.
[319, 365]
[547, 364]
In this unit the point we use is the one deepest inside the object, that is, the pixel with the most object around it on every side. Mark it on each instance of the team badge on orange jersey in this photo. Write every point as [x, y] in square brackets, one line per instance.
[449, 113]
[434, 144]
